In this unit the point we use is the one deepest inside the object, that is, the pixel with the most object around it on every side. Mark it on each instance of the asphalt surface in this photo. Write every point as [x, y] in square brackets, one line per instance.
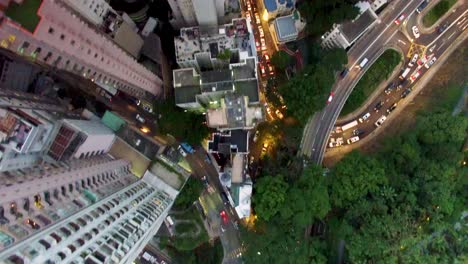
[229, 234]
[384, 34]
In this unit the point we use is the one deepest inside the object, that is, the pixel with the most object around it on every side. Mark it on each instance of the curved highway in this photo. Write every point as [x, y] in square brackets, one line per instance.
[385, 34]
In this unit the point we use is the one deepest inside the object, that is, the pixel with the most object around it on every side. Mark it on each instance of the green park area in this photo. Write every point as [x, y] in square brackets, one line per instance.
[437, 12]
[376, 74]
[25, 13]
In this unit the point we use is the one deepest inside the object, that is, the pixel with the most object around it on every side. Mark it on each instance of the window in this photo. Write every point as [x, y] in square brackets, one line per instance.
[62, 36]
[72, 42]
[51, 30]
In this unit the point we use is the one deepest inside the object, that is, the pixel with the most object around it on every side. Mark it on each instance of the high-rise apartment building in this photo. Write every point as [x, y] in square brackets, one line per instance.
[80, 211]
[73, 38]
[204, 13]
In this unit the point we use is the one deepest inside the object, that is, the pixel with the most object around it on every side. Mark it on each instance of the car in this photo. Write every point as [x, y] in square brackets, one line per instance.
[262, 70]
[413, 60]
[415, 76]
[262, 40]
[415, 32]
[344, 72]
[265, 147]
[432, 48]
[140, 118]
[330, 97]
[205, 181]
[247, 15]
[32, 224]
[430, 62]
[224, 216]
[364, 117]
[257, 44]
[224, 197]
[406, 92]
[352, 140]
[390, 88]
[260, 31]
[271, 70]
[182, 151]
[249, 6]
[257, 18]
[266, 57]
[442, 28]
[256, 136]
[391, 108]
[279, 114]
[400, 19]
[380, 121]
[358, 132]
[147, 109]
[378, 106]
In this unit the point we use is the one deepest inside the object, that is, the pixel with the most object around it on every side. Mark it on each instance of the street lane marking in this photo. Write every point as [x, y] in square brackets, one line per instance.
[377, 38]
[451, 35]
[453, 23]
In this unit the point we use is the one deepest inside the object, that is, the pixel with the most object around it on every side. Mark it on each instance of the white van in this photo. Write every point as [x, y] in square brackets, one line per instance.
[380, 121]
[363, 63]
[405, 73]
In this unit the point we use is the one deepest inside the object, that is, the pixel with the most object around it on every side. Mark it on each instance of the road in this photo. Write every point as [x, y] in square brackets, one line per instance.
[370, 46]
[229, 234]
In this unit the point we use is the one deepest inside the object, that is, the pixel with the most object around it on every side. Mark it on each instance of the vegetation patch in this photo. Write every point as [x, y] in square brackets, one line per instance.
[437, 12]
[376, 74]
[189, 193]
[25, 13]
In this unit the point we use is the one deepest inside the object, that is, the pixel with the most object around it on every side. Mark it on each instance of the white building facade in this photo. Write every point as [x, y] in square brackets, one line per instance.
[63, 40]
[91, 211]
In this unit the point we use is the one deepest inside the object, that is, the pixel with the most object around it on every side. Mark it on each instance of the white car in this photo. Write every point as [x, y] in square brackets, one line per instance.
[380, 121]
[182, 151]
[415, 32]
[429, 63]
[260, 31]
[353, 140]
[140, 118]
[364, 117]
[413, 60]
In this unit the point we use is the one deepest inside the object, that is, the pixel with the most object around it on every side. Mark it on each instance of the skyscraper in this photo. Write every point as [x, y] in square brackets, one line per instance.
[80, 211]
[56, 34]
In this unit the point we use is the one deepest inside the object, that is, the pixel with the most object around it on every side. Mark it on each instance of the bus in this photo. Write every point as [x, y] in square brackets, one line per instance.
[405, 73]
[347, 126]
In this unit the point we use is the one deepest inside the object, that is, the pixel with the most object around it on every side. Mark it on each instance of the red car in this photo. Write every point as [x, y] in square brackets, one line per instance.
[262, 70]
[224, 216]
[401, 18]
[330, 98]
[270, 69]
[266, 58]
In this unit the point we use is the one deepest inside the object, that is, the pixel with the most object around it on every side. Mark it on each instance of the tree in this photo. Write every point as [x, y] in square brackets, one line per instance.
[335, 59]
[309, 196]
[321, 15]
[189, 194]
[184, 126]
[270, 195]
[307, 92]
[224, 55]
[355, 176]
[281, 59]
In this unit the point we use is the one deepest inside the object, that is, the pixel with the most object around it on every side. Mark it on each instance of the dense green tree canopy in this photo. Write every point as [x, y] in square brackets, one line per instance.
[270, 196]
[281, 59]
[189, 194]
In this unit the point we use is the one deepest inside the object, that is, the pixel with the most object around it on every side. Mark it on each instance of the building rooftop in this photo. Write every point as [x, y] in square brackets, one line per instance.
[25, 13]
[248, 88]
[235, 141]
[353, 29]
[272, 5]
[234, 113]
[286, 27]
[245, 71]
[217, 80]
[233, 36]
[186, 94]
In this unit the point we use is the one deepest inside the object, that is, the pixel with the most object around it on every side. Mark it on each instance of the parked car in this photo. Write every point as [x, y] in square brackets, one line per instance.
[391, 108]
[140, 118]
[380, 121]
[406, 92]
[430, 62]
[353, 140]
[413, 60]
[358, 132]
[378, 106]
[364, 117]
[390, 88]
